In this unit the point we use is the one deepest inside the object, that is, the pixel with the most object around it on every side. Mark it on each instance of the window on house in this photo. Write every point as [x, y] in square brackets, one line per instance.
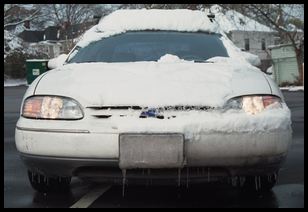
[263, 44]
[246, 44]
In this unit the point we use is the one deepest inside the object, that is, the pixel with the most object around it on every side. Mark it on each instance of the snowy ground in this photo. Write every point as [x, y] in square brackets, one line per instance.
[14, 82]
[292, 88]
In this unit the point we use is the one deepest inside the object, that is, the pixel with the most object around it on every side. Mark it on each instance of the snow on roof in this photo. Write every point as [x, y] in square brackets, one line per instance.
[157, 19]
[280, 45]
[121, 21]
[124, 20]
[233, 20]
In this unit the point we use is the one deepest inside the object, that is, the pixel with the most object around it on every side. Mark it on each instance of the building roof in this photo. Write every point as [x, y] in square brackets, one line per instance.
[52, 33]
[232, 20]
[31, 36]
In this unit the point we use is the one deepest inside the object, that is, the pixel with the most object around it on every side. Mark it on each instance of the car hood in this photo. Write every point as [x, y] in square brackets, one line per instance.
[153, 83]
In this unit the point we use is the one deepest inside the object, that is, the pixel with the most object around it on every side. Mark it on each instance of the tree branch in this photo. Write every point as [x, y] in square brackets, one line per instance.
[31, 17]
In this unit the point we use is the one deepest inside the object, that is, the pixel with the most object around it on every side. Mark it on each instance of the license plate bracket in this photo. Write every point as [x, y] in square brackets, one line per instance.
[151, 150]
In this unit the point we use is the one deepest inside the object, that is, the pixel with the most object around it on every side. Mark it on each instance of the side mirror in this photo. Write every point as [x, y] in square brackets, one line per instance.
[57, 62]
[252, 58]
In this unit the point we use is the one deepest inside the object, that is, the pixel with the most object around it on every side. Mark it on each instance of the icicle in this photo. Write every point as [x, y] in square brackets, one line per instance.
[123, 181]
[276, 177]
[149, 174]
[256, 183]
[187, 175]
[179, 177]
[233, 181]
[259, 182]
[243, 179]
[208, 174]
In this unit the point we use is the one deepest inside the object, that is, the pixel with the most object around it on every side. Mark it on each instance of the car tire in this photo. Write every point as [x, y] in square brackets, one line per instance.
[259, 183]
[44, 184]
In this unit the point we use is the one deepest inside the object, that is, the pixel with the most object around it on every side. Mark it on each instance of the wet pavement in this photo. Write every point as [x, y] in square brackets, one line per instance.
[289, 192]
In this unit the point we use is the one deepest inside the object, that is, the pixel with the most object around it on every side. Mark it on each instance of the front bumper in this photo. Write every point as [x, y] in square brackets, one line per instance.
[79, 153]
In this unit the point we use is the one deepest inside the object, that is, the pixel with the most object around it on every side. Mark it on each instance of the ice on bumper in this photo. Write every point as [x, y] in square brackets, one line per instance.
[199, 122]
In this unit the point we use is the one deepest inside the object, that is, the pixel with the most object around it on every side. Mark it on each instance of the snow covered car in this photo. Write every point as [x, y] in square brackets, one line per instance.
[154, 96]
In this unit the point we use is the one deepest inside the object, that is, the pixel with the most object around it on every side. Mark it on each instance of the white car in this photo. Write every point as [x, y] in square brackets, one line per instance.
[154, 95]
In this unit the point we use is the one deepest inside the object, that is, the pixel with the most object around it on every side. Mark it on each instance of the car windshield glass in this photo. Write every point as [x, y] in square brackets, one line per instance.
[150, 46]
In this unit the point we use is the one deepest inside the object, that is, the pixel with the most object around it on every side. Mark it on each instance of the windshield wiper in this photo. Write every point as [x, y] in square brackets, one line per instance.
[202, 61]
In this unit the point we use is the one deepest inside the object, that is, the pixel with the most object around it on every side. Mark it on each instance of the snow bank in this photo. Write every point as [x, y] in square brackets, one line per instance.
[12, 41]
[14, 82]
[121, 21]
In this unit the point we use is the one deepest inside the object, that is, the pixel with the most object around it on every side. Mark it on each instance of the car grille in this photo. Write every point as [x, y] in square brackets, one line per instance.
[166, 112]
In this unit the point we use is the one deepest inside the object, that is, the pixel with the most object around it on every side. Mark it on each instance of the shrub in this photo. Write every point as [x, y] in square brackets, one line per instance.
[15, 63]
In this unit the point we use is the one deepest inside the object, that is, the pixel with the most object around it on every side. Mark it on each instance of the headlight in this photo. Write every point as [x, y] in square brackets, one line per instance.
[51, 107]
[254, 104]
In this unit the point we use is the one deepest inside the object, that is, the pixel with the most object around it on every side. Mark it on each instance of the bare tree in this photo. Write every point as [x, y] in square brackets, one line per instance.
[68, 14]
[15, 14]
[164, 6]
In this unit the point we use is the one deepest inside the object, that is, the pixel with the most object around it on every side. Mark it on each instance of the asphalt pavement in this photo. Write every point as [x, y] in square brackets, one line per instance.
[289, 192]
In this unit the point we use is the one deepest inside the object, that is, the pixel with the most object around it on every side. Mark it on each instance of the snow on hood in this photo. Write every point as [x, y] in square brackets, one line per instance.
[152, 83]
[121, 21]
[169, 58]
[57, 61]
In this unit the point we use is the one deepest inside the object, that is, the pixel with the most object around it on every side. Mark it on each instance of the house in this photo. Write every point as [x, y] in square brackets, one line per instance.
[50, 48]
[55, 40]
[31, 36]
[246, 33]
[256, 42]
[286, 70]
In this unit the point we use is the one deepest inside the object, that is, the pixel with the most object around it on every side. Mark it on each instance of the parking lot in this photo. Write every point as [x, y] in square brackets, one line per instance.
[289, 192]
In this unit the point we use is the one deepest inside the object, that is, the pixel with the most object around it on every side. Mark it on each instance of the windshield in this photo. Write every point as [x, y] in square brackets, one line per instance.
[150, 46]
